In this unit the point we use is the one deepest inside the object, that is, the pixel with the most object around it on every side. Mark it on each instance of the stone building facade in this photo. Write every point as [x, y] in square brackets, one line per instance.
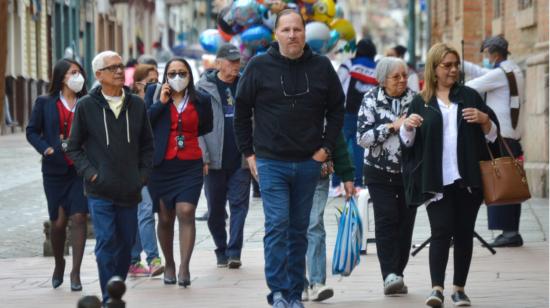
[524, 23]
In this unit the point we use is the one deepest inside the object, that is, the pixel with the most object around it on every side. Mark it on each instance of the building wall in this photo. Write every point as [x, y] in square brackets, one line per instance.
[526, 29]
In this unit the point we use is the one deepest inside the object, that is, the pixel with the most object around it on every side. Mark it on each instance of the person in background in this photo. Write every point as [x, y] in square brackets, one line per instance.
[381, 115]
[146, 236]
[178, 117]
[316, 255]
[357, 76]
[413, 82]
[502, 83]
[129, 72]
[48, 131]
[111, 145]
[147, 59]
[443, 139]
[228, 177]
[297, 103]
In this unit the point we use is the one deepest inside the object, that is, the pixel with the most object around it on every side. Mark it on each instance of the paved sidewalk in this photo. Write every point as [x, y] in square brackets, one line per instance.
[514, 277]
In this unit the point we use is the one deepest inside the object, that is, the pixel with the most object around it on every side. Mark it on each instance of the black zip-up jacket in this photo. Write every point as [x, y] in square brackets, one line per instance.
[119, 150]
[422, 163]
[298, 106]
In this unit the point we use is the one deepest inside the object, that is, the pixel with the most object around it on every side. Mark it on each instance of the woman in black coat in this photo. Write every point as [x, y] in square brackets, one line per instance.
[178, 117]
[47, 132]
[443, 140]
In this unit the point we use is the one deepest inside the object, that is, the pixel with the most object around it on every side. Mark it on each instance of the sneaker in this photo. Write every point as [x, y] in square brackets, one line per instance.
[138, 270]
[305, 295]
[295, 304]
[221, 261]
[155, 267]
[234, 263]
[335, 192]
[460, 299]
[393, 284]
[279, 301]
[320, 292]
[404, 290]
[435, 299]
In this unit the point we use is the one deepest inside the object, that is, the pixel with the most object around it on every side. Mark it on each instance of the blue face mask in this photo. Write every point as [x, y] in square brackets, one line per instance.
[487, 63]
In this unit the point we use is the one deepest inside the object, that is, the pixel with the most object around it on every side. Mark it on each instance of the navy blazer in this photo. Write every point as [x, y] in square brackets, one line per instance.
[159, 116]
[43, 132]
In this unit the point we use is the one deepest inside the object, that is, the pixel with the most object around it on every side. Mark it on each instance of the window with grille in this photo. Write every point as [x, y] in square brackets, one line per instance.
[497, 9]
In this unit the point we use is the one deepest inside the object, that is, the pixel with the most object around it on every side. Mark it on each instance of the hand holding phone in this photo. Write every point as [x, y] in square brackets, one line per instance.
[165, 93]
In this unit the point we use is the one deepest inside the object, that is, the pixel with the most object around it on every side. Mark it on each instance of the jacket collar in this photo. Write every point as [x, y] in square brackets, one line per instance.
[100, 99]
[275, 52]
[455, 96]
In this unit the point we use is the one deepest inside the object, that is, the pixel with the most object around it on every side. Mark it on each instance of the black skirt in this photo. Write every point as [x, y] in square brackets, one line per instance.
[176, 181]
[66, 191]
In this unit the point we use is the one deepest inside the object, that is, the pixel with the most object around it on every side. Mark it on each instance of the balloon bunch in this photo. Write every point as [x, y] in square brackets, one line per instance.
[249, 24]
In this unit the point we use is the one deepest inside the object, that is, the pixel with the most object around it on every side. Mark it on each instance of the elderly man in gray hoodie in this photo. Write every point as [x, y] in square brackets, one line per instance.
[226, 173]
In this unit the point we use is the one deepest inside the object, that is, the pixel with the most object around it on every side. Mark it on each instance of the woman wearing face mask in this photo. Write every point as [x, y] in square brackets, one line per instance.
[47, 132]
[178, 117]
[143, 75]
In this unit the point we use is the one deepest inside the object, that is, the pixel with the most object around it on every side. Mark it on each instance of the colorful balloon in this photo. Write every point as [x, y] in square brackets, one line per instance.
[345, 28]
[210, 40]
[256, 38]
[317, 36]
[333, 40]
[324, 11]
[245, 12]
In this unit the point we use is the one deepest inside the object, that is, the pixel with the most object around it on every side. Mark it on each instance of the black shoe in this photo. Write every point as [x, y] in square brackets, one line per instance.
[76, 287]
[169, 280]
[435, 299]
[503, 241]
[234, 263]
[221, 261]
[460, 299]
[57, 277]
[184, 282]
[204, 217]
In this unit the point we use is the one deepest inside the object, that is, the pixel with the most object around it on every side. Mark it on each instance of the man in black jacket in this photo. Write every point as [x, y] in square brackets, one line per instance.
[111, 145]
[298, 106]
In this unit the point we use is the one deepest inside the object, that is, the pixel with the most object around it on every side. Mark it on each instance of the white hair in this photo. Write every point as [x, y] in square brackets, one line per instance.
[385, 66]
[99, 60]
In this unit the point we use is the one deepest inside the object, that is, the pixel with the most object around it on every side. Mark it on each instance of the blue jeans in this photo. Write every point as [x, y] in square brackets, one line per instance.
[221, 186]
[115, 232]
[287, 193]
[350, 135]
[316, 255]
[146, 236]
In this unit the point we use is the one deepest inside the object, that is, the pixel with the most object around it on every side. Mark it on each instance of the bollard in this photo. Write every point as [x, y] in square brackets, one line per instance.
[116, 288]
[89, 301]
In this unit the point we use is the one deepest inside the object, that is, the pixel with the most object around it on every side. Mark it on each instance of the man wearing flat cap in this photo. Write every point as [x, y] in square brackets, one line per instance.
[502, 83]
[227, 177]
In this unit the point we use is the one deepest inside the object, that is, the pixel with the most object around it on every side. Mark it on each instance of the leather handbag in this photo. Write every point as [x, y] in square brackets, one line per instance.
[504, 180]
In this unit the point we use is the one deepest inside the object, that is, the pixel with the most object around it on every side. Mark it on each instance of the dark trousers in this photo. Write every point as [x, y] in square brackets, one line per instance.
[221, 186]
[115, 232]
[454, 217]
[393, 227]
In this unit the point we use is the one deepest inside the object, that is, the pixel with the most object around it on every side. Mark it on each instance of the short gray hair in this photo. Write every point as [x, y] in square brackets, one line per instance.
[99, 60]
[385, 66]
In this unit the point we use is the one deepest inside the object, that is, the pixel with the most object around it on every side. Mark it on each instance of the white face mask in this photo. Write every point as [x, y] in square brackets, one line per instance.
[75, 82]
[178, 84]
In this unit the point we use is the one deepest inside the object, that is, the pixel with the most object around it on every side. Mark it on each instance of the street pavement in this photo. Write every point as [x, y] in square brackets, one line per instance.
[514, 277]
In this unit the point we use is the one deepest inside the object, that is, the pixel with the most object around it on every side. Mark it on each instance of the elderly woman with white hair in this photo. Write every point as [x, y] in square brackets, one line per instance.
[381, 114]
[111, 144]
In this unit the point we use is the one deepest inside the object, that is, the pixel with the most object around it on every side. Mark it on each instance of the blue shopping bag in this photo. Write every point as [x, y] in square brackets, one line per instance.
[348, 240]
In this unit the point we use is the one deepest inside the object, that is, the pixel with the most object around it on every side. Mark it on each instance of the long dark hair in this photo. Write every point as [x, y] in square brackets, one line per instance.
[59, 70]
[191, 86]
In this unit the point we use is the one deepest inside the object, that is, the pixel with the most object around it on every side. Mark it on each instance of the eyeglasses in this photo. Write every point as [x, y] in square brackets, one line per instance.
[398, 77]
[296, 94]
[173, 74]
[447, 65]
[113, 68]
[74, 72]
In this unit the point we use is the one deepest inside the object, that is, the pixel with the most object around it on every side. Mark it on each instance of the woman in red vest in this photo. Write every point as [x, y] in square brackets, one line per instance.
[178, 117]
[48, 131]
